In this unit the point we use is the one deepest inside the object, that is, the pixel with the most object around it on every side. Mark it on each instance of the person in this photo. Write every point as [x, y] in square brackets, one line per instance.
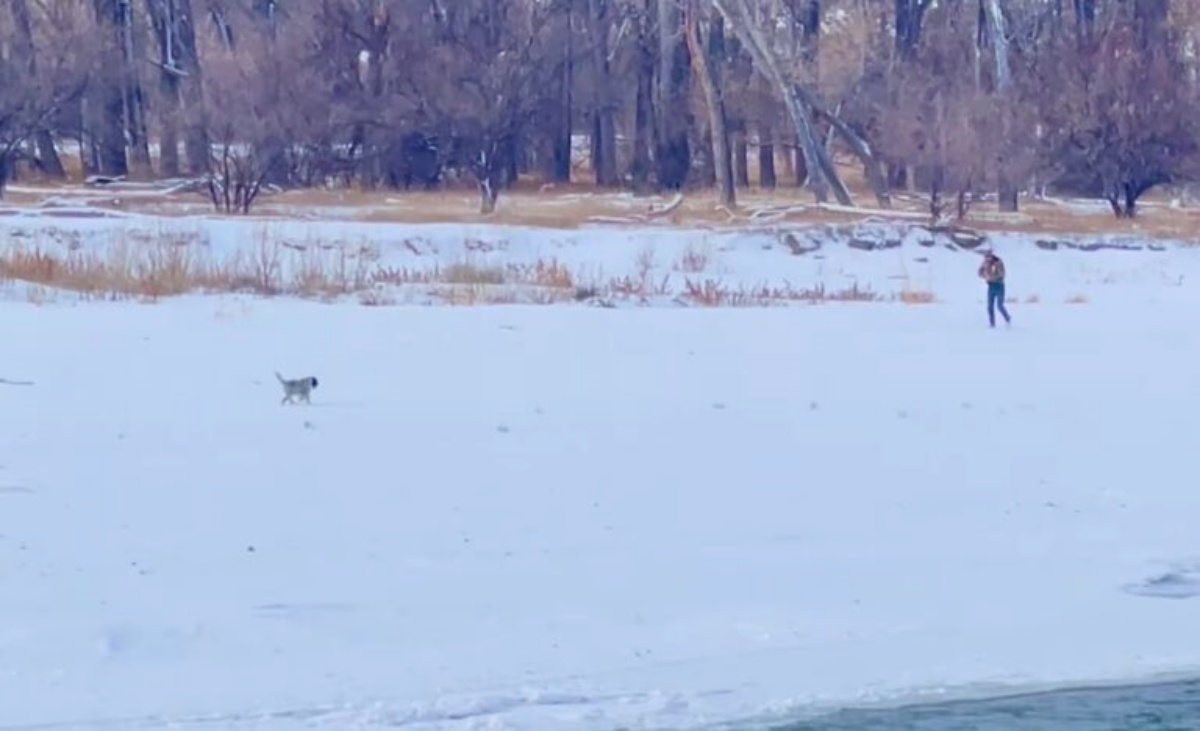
[992, 272]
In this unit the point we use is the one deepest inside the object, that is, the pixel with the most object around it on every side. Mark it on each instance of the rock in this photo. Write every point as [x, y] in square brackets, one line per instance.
[799, 246]
[1046, 244]
[861, 244]
[1101, 246]
[961, 237]
[967, 239]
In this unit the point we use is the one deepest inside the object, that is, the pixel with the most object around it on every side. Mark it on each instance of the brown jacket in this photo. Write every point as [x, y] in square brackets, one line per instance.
[992, 270]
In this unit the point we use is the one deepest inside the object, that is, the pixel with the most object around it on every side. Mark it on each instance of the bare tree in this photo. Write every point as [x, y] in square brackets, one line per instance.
[1118, 117]
[259, 111]
[480, 81]
[24, 48]
[33, 94]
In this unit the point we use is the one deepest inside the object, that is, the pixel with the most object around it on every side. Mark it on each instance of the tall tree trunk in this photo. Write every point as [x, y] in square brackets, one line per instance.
[165, 26]
[560, 134]
[703, 51]
[1007, 190]
[196, 144]
[604, 129]
[643, 124]
[672, 150]
[131, 90]
[106, 105]
[908, 20]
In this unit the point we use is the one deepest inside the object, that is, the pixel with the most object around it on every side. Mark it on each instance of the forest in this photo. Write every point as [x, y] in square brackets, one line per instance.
[961, 100]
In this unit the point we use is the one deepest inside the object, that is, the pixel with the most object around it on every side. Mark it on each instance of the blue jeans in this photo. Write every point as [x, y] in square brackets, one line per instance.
[995, 299]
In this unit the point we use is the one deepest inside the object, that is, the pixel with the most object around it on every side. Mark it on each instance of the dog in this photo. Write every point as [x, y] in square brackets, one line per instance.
[296, 388]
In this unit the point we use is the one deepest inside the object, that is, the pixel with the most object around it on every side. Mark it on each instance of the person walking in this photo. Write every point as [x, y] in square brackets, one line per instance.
[992, 272]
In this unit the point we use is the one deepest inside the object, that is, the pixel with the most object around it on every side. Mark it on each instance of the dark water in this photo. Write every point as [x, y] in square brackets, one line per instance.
[1162, 707]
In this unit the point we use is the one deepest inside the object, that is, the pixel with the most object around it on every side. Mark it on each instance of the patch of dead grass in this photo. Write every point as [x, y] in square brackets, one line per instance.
[149, 271]
[714, 293]
[693, 260]
[911, 296]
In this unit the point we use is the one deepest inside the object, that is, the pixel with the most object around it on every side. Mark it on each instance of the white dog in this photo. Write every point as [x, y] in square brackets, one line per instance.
[296, 388]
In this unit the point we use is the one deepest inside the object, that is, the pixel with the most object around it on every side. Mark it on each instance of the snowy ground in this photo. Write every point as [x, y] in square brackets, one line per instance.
[585, 518]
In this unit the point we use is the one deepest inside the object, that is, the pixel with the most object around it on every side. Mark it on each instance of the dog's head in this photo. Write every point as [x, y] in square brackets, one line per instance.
[312, 382]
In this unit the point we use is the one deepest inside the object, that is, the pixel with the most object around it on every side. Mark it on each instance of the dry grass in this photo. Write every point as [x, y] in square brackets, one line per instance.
[131, 269]
[713, 293]
[693, 260]
[170, 267]
[916, 297]
[1077, 299]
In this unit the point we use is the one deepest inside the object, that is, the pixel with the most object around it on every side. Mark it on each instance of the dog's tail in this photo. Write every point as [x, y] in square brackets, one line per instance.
[281, 378]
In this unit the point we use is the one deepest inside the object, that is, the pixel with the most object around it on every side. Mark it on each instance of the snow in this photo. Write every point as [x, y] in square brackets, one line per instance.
[571, 517]
[739, 259]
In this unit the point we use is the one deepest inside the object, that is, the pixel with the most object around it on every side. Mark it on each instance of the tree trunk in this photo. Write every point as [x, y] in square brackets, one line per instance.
[741, 156]
[766, 157]
[643, 122]
[672, 151]
[909, 18]
[131, 90]
[822, 174]
[875, 173]
[812, 35]
[5, 169]
[48, 159]
[604, 130]
[1007, 190]
[702, 51]
[560, 141]
[163, 21]
[799, 166]
[196, 143]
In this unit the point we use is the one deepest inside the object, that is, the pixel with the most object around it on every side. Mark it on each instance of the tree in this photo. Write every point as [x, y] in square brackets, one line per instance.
[480, 81]
[1118, 115]
[260, 111]
[181, 90]
[34, 91]
[705, 43]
